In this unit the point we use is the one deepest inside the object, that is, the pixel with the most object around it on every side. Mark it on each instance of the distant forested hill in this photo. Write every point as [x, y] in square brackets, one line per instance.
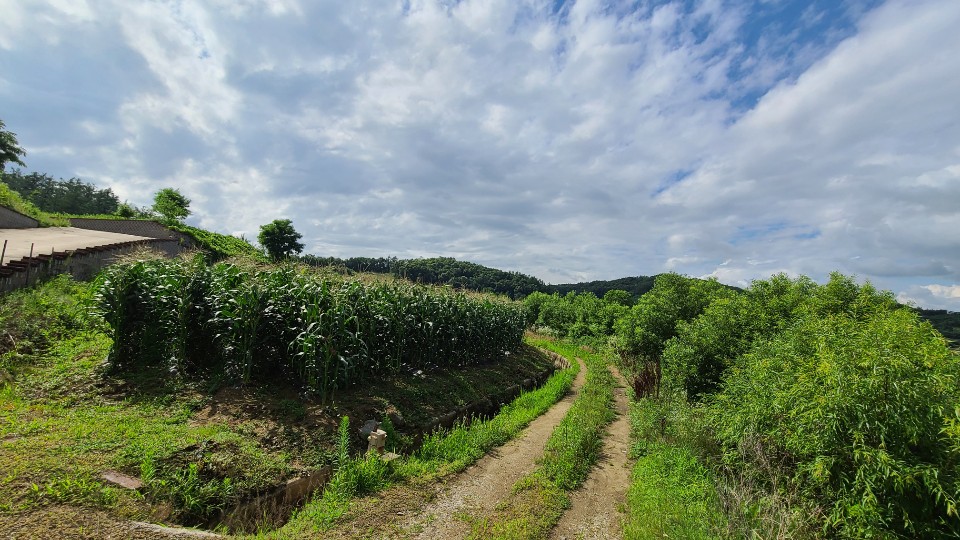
[636, 286]
[440, 271]
[468, 275]
[946, 322]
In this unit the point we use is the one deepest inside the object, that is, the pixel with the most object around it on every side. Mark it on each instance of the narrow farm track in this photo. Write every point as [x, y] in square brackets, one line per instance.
[479, 488]
[594, 508]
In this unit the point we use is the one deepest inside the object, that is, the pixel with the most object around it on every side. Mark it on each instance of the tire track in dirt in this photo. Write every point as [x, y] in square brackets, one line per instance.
[479, 488]
[594, 512]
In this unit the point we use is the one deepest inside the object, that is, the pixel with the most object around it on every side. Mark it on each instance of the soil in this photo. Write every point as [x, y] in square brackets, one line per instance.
[594, 511]
[436, 512]
[72, 523]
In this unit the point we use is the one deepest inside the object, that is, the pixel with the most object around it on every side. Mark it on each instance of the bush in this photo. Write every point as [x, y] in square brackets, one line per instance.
[702, 350]
[854, 408]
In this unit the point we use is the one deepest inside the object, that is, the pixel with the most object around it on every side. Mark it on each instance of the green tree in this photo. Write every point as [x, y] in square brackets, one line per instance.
[10, 151]
[618, 296]
[653, 320]
[171, 204]
[280, 239]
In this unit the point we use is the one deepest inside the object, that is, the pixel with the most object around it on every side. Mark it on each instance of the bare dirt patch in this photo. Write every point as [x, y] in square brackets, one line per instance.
[71, 523]
[594, 511]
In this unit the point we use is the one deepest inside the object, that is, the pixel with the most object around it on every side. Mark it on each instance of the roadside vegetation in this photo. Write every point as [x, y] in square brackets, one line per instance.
[443, 452]
[786, 410]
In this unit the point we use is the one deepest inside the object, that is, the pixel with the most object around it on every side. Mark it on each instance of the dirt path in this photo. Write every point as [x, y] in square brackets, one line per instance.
[594, 508]
[478, 489]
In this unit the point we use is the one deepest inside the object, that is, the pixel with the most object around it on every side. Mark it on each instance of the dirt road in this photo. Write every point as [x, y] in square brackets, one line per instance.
[478, 489]
[594, 508]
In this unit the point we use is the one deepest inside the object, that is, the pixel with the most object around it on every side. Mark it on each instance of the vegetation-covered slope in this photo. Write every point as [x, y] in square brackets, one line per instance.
[198, 444]
[11, 199]
[219, 246]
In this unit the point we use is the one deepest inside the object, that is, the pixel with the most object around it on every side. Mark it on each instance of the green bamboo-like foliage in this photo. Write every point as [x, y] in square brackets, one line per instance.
[323, 332]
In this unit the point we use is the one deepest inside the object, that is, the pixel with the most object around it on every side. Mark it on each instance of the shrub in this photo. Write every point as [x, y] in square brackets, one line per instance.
[855, 410]
[703, 348]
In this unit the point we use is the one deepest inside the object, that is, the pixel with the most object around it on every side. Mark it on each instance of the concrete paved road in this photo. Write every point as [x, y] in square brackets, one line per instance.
[48, 239]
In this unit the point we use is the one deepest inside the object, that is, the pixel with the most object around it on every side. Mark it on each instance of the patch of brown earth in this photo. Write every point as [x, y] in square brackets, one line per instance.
[594, 512]
[72, 523]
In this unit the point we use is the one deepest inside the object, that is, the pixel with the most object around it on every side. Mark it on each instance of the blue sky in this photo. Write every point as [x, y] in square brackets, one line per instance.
[574, 141]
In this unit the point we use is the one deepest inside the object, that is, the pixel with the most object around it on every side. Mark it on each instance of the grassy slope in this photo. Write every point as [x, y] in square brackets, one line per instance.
[12, 199]
[62, 422]
[221, 246]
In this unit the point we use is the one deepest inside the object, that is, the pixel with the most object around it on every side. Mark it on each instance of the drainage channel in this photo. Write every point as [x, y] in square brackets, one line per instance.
[273, 509]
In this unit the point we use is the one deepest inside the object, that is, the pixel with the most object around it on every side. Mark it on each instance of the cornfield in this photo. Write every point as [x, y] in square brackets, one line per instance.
[186, 316]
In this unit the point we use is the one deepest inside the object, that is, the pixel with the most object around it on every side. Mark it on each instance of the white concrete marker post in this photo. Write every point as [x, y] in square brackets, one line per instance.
[377, 440]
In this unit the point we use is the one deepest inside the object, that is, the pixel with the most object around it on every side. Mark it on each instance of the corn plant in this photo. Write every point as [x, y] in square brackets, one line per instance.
[325, 333]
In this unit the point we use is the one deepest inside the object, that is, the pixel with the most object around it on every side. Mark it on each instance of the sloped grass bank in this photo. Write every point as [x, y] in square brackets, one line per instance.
[539, 499]
[442, 453]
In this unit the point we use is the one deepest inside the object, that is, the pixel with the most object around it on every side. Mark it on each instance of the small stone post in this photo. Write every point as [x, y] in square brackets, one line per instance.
[378, 440]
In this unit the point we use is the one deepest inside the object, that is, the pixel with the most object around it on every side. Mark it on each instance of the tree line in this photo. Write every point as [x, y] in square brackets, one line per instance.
[72, 196]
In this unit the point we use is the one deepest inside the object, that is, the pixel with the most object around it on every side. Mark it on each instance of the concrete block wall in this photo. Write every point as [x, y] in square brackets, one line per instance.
[136, 227]
[82, 264]
[11, 219]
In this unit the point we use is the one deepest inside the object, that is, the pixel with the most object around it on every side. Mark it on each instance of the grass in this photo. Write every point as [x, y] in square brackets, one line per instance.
[12, 199]
[64, 420]
[672, 493]
[539, 499]
[442, 453]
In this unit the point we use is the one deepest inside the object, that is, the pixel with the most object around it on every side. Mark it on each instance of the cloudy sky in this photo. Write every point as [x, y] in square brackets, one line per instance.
[571, 140]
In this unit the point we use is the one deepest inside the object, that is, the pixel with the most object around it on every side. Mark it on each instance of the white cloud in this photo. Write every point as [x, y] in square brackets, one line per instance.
[603, 140]
[933, 296]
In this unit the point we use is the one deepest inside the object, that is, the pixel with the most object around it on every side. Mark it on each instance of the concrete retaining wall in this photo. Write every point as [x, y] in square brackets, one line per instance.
[11, 219]
[150, 229]
[82, 263]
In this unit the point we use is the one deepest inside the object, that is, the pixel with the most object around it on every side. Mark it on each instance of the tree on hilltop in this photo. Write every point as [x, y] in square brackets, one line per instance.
[280, 239]
[171, 204]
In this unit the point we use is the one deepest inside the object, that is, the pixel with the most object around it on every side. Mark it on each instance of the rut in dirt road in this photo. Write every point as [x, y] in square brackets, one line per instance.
[479, 488]
[594, 508]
